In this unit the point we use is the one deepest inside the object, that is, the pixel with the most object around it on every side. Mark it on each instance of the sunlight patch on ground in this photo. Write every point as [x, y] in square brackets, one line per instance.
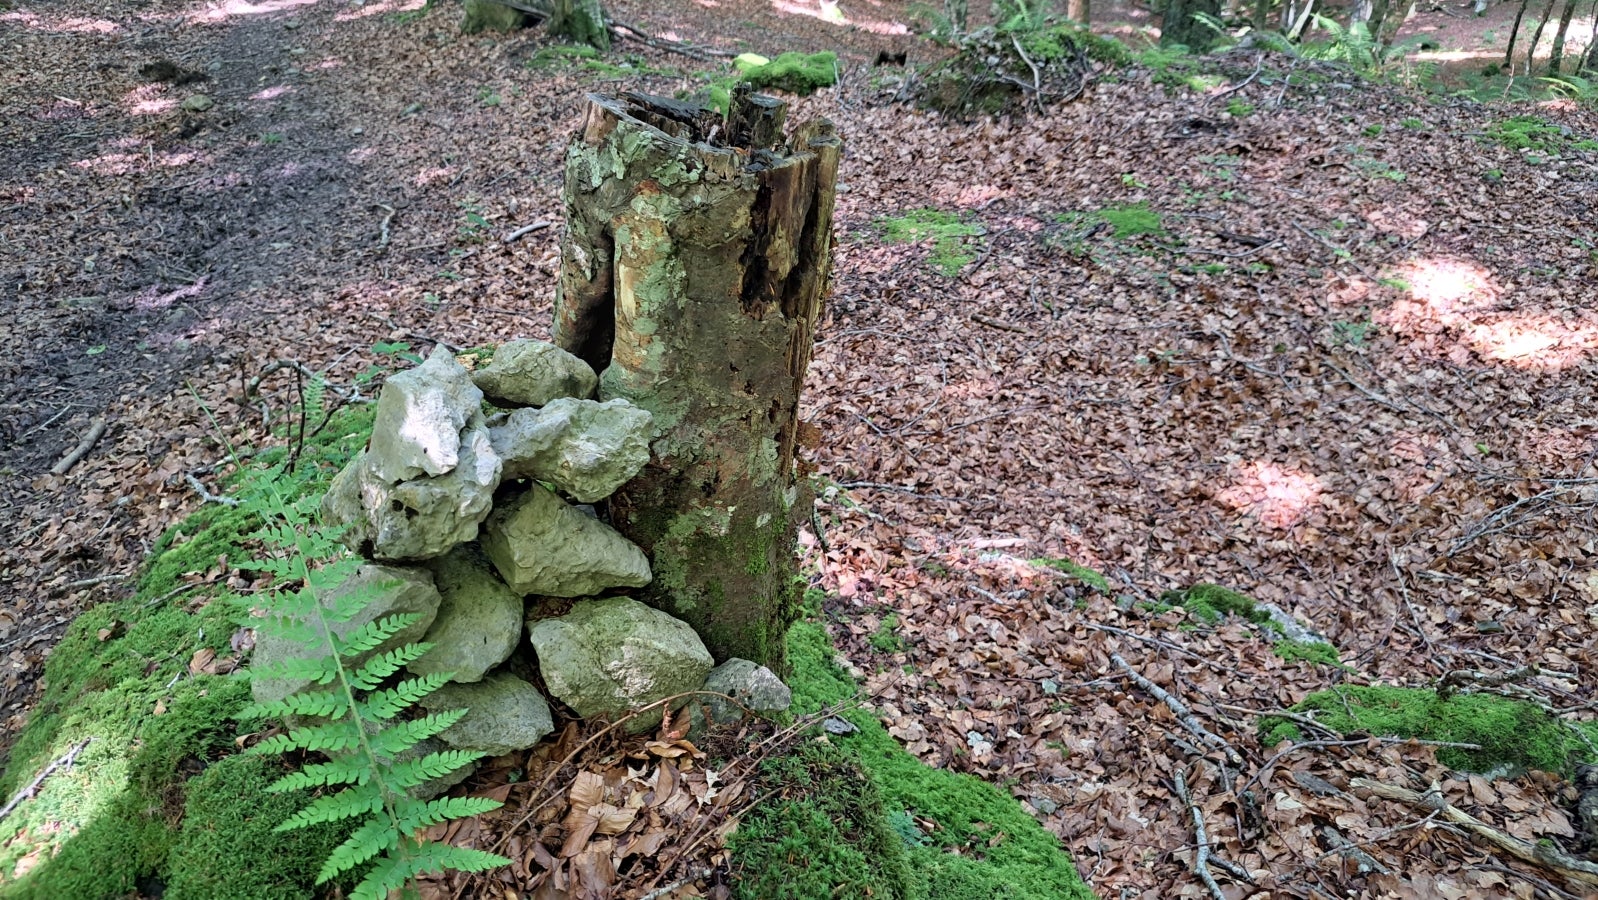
[333, 62]
[825, 10]
[1276, 495]
[273, 92]
[432, 174]
[227, 9]
[360, 154]
[60, 26]
[376, 9]
[128, 163]
[1538, 341]
[153, 297]
[148, 100]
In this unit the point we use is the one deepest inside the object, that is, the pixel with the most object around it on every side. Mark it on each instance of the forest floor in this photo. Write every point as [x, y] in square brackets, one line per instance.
[1325, 342]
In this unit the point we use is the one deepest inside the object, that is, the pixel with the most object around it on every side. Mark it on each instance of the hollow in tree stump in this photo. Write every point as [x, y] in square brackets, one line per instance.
[692, 275]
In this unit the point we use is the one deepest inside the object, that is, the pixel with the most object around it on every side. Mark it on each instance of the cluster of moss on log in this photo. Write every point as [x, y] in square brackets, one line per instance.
[998, 71]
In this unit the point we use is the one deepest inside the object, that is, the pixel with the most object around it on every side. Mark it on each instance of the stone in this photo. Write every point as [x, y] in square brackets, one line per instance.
[421, 413]
[197, 103]
[755, 686]
[608, 657]
[422, 518]
[532, 373]
[393, 591]
[479, 620]
[504, 714]
[540, 544]
[585, 449]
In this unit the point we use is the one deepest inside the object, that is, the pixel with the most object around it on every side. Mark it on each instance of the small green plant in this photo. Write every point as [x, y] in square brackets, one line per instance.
[356, 698]
[1414, 124]
[1534, 133]
[1352, 334]
[948, 232]
[475, 228]
[1132, 220]
[1080, 572]
[886, 639]
[487, 96]
[1308, 651]
[1373, 130]
[1238, 108]
[1132, 181]
[272, 137]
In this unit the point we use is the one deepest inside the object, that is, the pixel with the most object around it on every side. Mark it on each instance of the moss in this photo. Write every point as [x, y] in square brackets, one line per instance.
[796, 73]
[230, 815]
[486, 15]
[1132, 220]
[1210, 603]
[549, 57]
[1511, 733]
[979, 845]
[1309, 651]
[886, 639]
[946, 230]
[1081, 573]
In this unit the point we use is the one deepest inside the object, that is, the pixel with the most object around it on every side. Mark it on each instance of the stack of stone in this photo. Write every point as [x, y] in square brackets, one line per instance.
[472, 514]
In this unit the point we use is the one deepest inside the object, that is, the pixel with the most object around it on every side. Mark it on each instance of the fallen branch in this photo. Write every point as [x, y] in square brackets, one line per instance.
[1201, 851]
[1347, 849]
[382, 229]
[1542, 853]
[634, 33]
[999, 324]
[64, 761]
[205, 495]
[1183, 714]
[525, 230]
[96, 431]
[1453, 681]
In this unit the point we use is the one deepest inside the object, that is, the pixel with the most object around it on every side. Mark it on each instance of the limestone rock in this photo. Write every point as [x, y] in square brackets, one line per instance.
[755, 686]
[584, 448]
[421, 518]
[532, 373]
[607, 657]
[504, 714]
[421, 413]
[479, 620]
[542, 545]
[393, 591]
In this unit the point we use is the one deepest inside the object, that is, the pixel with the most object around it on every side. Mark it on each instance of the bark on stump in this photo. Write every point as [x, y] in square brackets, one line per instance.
[696, 257]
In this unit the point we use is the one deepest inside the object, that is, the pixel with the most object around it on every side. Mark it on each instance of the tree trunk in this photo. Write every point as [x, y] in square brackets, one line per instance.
[1180, 27]
[579, 21]
[692, 276]
[1514, 33]
[1079, 11]
[1557, 57]
[1537, 36]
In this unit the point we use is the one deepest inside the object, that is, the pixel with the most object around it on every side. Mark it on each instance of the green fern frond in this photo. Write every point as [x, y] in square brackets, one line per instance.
[330, 737]
[386, 704]
[348, 769]
[311, 704]
[349, 803]
[421, 770]
[370, 636]
[375, 670]
[405, 735]
[411, 860]
[319, 671]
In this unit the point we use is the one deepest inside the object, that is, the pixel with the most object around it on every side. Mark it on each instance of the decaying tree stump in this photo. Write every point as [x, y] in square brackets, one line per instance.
[692, 276]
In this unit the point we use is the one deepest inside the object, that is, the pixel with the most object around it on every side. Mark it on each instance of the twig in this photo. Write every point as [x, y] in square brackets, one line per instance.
[91, 582]
[64, 761]
[1259, 60]
[1154, 641]
[1453, 681]
[382, 229]
[1183, 714]
[1349, 850]
[205, 495]
[633, 33]
[999, 323]
[1544, 854]
[96, 431]
[1201, 851]
[657, 893]
[1037, 79]
[525, 230]
[48, 422]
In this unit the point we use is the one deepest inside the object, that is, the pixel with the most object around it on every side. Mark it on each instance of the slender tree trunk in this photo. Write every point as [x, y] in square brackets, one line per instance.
[1180, 27]
[692, 276]
[1537, 36]
[1262, 14]
[1556, 58]
[1514, 33]
[1079, 11]
[579, 21]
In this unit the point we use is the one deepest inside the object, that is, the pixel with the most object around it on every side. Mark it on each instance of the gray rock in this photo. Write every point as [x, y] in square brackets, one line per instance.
[542, 545]
[584, 448]
[418, 519]
[197, 103]
[479, 621]
[504, 714]
[753, 685]
[421, 413]
[532, 373]
[389, 590]
[607, 657]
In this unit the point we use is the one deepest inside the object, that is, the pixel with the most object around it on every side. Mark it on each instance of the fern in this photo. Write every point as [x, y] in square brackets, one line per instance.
[357, 705]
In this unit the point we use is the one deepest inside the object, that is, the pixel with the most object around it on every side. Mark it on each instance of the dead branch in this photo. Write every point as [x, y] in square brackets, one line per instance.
[1543, 853]
[64, 761]
[1453, 681]
[525, 230]
[382, 228]
[96, 431]
[999, 324]
[1201, 850]
[1183, 714]
[632, 33]
[205, 495]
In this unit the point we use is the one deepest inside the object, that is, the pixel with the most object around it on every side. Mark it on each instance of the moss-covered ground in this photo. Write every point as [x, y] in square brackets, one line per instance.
[954, 836]
[1210, 604]
[1513, 735]
[125, 816]
[946, 230]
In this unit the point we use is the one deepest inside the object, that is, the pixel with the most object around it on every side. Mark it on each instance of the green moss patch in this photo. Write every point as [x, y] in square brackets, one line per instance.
[962, 838]
[1132, 220]
[1081, 573]
[119, 686]
[796, 73]
[947, 231]
[1511, 733]
[1210, 604]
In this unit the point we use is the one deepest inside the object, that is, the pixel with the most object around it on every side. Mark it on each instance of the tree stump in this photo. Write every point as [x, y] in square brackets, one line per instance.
[692, 274]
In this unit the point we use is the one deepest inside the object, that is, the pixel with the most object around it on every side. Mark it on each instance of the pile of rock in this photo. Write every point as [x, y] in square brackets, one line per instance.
[471, 514]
